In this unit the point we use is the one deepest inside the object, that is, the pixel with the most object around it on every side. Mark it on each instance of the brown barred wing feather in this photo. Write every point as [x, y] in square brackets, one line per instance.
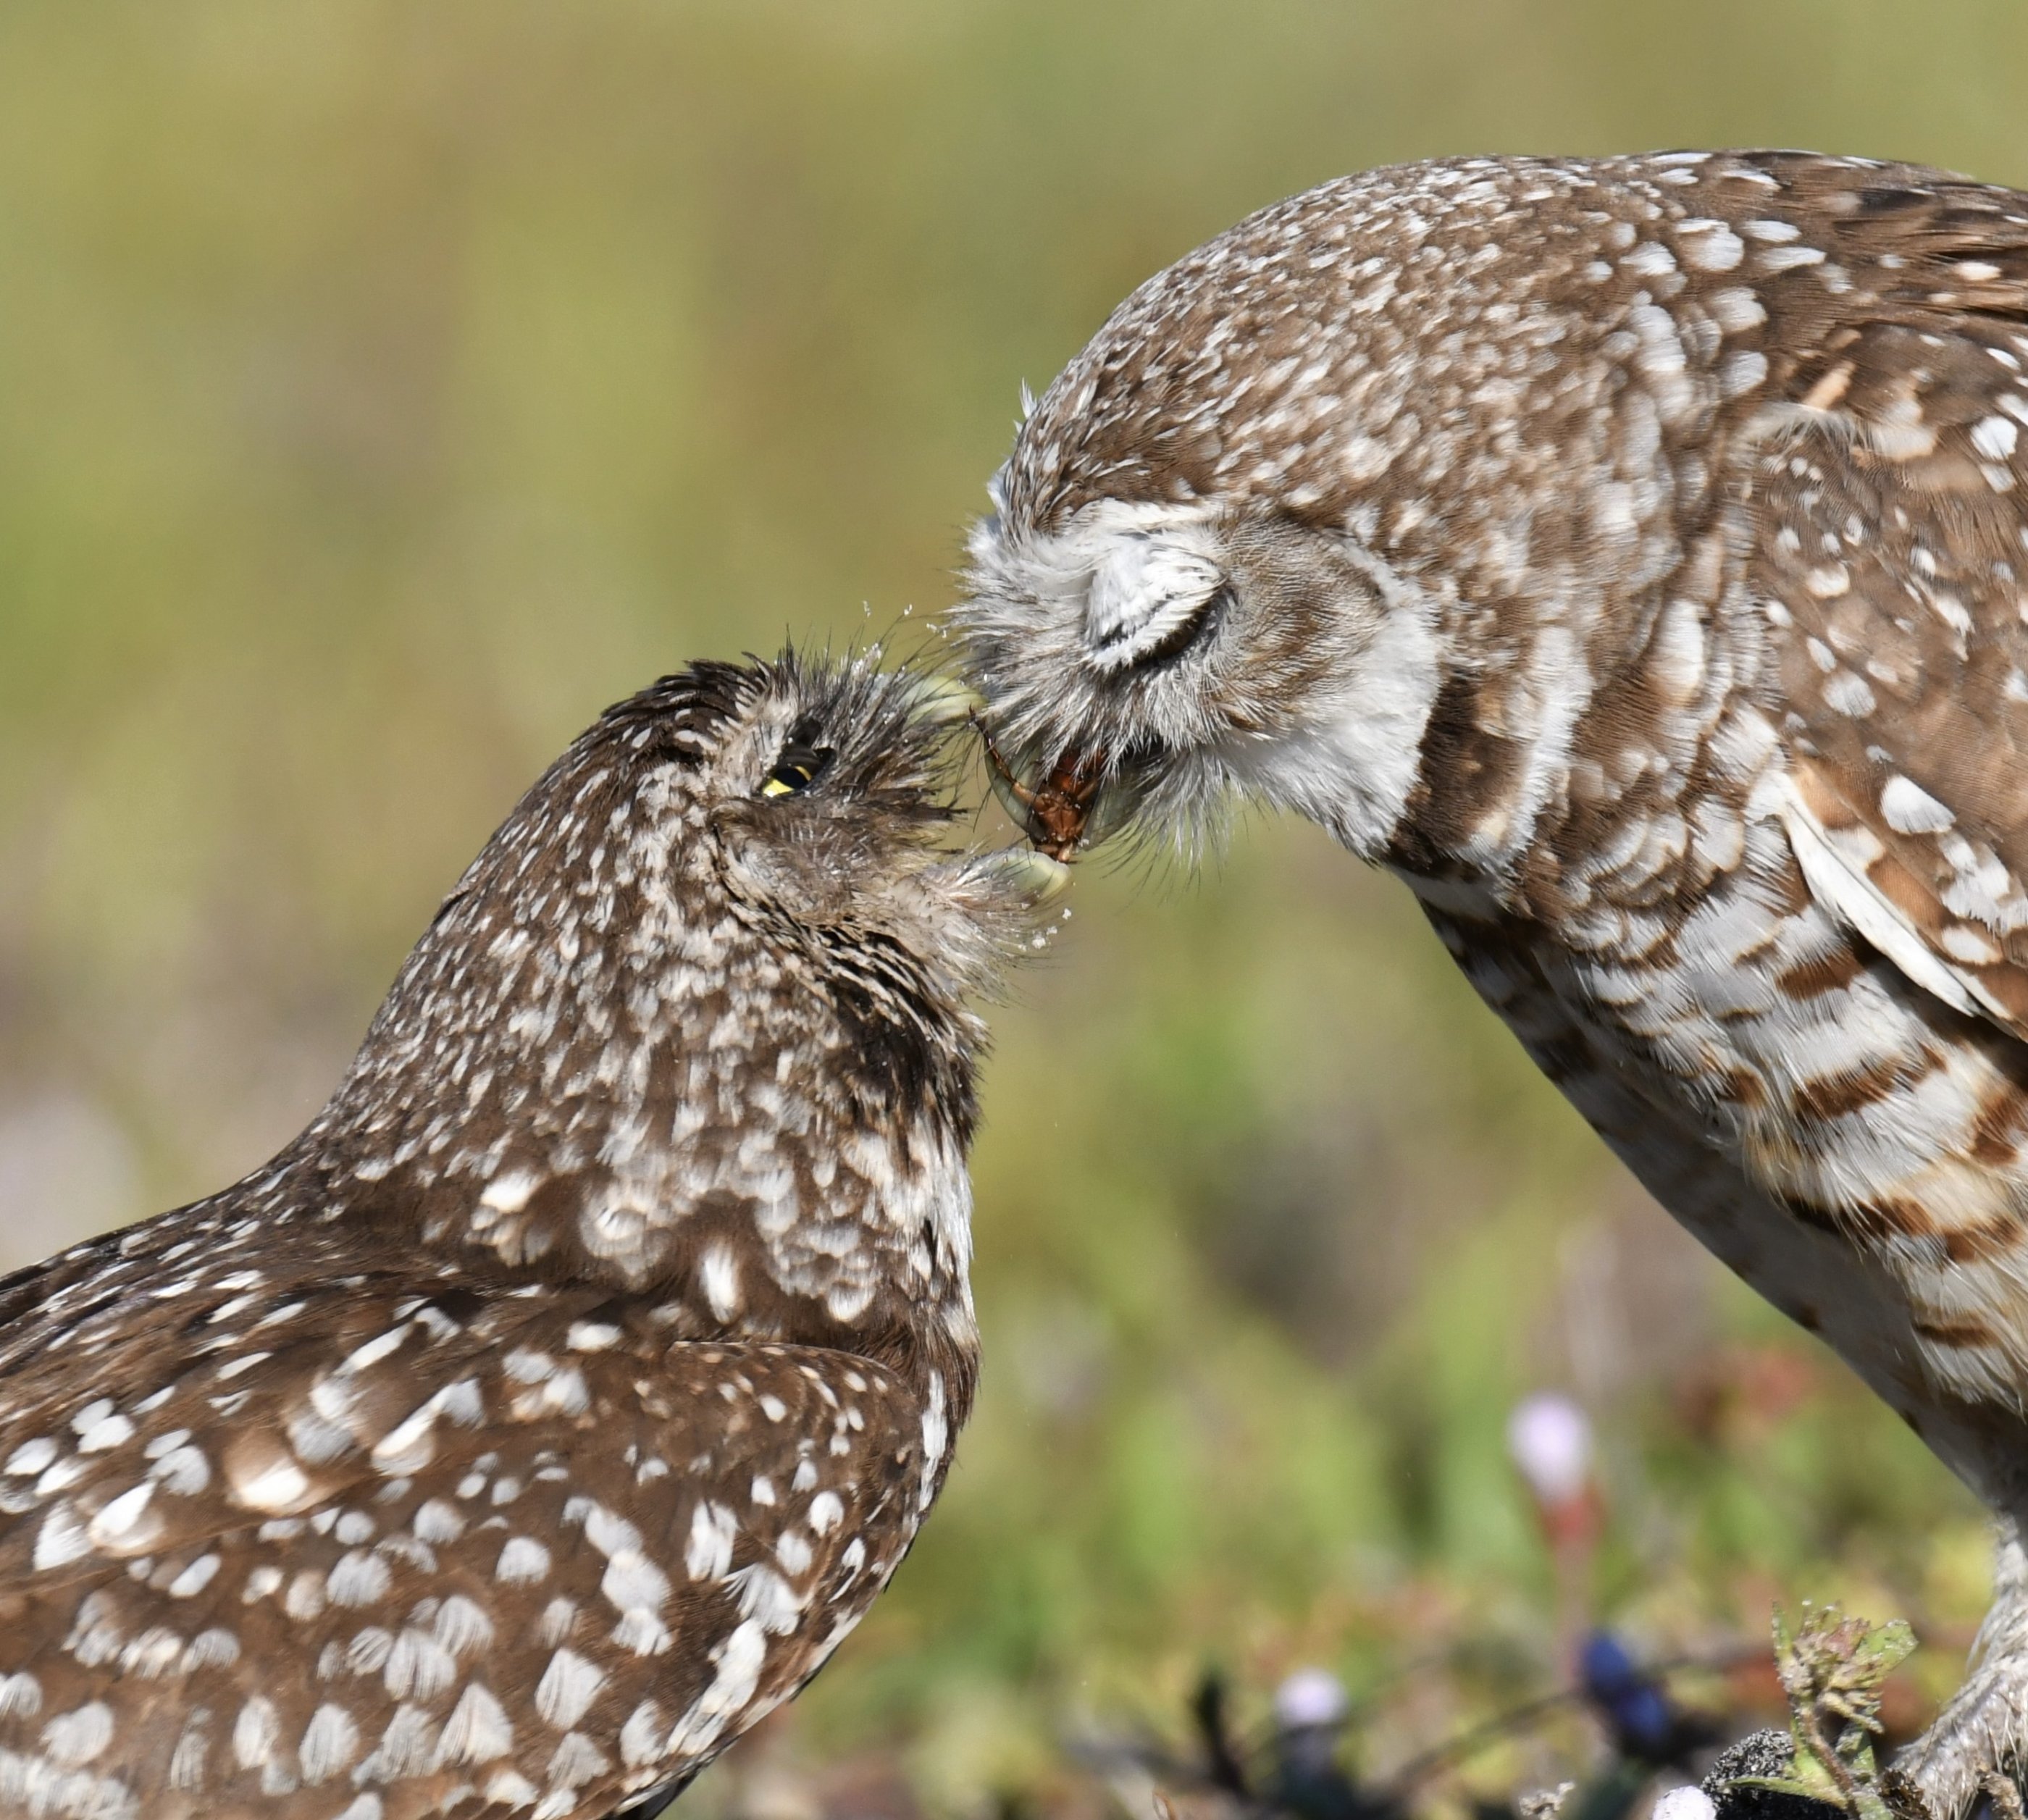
[1890, 560]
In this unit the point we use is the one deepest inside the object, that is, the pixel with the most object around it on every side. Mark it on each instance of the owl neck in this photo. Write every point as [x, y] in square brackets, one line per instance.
[754, 1142]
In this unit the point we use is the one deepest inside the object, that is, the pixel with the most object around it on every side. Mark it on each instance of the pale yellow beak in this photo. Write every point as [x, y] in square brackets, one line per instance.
[944, 702]
[1023, 870]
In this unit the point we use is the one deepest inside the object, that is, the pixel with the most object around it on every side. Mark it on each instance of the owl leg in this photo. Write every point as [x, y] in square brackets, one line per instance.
[1984, 1725]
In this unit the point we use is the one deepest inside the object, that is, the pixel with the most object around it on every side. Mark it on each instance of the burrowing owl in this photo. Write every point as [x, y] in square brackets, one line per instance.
[548, 1410]
[1630, 555]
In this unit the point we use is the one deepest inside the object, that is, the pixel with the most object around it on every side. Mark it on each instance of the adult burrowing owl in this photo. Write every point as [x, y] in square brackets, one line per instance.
[548, 1410]
[1631, 555]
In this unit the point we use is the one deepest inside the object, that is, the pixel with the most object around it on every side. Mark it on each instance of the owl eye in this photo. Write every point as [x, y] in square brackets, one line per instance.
[798, 768]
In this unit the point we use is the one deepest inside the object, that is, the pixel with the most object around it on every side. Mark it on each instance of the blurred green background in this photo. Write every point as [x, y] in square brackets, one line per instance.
[385, 387]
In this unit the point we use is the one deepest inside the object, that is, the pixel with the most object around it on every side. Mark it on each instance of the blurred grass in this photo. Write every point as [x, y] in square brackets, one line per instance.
[383, 388]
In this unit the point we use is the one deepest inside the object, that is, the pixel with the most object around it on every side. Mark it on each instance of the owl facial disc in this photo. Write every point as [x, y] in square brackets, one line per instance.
[1146, 593]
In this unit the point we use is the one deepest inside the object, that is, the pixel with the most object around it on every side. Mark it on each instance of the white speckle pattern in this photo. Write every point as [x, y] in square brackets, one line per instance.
[477, 1730]
[255, 1733]
[718, 1271]
[567, 1689]
[330, 1744]
[72, 1738]
[707, 1555]
[195, 1578]
[359, 1578]
[1910, 809]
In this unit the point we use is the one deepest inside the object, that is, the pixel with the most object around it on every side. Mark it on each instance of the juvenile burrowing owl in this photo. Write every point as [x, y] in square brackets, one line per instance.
[548, 1410]
[1631, 555]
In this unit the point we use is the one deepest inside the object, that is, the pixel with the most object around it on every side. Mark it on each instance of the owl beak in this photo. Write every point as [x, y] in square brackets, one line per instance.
[944, 702]
[1023, 872]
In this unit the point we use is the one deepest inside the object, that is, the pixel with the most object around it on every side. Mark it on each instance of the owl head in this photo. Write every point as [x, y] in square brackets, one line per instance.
[802, 801]
[724, 868]
[1183, 592]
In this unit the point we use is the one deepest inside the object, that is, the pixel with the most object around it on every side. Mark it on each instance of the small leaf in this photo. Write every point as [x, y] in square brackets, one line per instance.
[1810, 1791]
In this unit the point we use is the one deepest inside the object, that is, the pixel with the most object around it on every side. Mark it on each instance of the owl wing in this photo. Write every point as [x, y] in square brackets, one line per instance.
[155, 1419]
[507, 1543]
[1887, 552]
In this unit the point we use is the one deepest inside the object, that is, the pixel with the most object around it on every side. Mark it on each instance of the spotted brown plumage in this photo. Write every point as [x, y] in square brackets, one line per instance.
[1629, 554]
[548, 1410]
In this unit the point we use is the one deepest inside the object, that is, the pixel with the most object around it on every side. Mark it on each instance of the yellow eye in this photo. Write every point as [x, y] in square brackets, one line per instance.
[796, 769]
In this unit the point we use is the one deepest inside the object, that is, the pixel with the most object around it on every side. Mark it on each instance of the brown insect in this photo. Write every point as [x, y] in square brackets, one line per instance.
[1057, 812]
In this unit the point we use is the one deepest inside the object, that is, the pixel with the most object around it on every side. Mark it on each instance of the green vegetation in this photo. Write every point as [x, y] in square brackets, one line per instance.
[1834, 1670]
[385, 386]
